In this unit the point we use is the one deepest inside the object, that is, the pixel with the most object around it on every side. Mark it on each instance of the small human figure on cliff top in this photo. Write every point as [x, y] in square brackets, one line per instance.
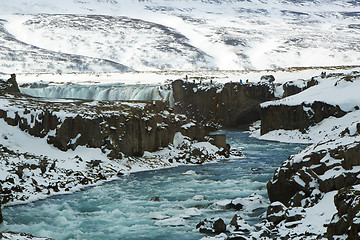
[186, 77]
[240, 81]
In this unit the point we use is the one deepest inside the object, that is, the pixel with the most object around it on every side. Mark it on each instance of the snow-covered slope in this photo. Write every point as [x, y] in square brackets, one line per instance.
[179, 34]
[338, 90]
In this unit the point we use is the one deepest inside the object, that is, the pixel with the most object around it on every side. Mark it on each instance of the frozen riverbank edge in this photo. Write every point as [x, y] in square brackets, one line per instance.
[346, 136]
[314, 194]
[61, 146]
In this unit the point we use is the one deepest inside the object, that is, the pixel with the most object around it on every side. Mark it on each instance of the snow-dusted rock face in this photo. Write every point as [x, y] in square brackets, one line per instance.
[333, 95]
[130, 128]
[232, 104]
[304, 178]
[346, 222]
[299, 117]
[56, 146]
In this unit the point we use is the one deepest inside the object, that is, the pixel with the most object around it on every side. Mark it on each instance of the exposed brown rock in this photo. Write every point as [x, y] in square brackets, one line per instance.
[276, 212]
[233, 104]
[347, 220]
[9, 86]
[301, 117]
[121, 127]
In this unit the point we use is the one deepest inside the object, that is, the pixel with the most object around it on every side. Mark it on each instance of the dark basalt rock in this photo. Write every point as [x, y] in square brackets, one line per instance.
[301, 117]
[276, 212]
[9, 86]
[300, 183]
[233, 104]
[211, 226]
[291, 88]
[347, 220]
[268, 78]
[115, 126]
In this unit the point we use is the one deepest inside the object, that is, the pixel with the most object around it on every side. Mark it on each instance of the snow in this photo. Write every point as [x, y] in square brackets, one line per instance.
[249, 204]
[346, 93]
[231, 35]
[330, 128]
[172, 222]
[221, 236]
[190, 172]
[316, 218]
[19, 236]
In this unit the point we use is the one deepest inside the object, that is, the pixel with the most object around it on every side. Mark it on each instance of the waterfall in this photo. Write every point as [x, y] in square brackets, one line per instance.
[139, 92]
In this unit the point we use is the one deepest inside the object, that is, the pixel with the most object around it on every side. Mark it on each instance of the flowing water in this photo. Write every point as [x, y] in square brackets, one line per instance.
[125, 208]
[100, 91]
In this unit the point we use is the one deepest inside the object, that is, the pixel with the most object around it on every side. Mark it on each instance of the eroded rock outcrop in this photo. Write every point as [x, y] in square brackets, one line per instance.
[301, 117]
[119, 127]
[111, 137]
[304, 178]
[10, 85]
[346, 222]
[232, 104]
[297, 86]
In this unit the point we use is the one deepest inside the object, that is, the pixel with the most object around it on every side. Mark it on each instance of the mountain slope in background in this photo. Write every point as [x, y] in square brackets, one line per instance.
[100, 35]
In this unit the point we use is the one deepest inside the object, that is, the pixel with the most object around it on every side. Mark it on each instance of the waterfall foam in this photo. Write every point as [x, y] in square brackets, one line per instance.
[141, 92]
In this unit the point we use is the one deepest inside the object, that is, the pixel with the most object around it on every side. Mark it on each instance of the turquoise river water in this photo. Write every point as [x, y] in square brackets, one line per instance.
[125, 208]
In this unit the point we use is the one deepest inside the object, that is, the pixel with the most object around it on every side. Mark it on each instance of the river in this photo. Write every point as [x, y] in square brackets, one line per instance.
[132, 207]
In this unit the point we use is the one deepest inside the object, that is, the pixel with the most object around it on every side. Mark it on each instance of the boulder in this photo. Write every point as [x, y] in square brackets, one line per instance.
[238, 224]
[211, 226]
[276, 212]
[293, 214]
[10, 85]
[267, 78]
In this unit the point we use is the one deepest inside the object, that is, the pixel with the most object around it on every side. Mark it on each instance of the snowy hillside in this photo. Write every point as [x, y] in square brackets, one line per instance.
[337, 90]
[83, 36]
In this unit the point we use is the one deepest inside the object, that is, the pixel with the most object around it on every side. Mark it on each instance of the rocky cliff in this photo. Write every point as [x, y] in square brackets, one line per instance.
[332, 97]
[303, 178]
[346, 222]
[301, 117]
[118, 127]
[55, 145]
[232, 104]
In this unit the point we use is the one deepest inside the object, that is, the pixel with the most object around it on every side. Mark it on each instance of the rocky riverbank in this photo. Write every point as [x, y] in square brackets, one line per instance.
[313, 194]
[58, 146]
[231, 104]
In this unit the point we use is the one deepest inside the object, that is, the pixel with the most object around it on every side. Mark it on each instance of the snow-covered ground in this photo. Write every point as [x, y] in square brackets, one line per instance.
[163, 77]
[334, 90]
[176, 35]
[328, 135]
[21, 149]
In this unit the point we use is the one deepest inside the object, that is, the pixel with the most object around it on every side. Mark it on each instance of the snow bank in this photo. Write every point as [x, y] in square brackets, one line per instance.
[334, 90]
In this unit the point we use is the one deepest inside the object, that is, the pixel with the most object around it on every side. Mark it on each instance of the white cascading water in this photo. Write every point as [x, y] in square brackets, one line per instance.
[124, 92]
